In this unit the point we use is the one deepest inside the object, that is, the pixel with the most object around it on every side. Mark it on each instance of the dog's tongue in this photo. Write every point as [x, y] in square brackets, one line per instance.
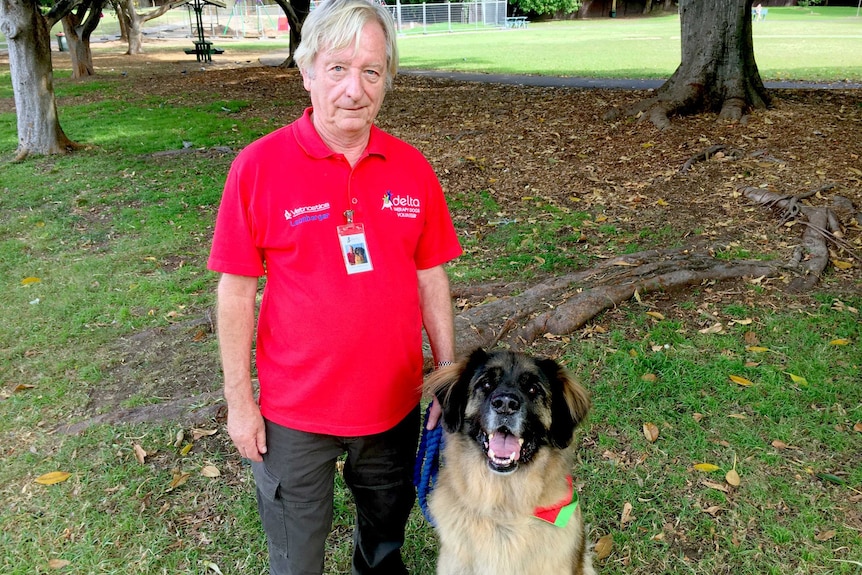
[504, 445]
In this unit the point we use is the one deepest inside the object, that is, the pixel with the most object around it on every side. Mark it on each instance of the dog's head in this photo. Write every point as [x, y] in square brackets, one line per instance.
[510, 404]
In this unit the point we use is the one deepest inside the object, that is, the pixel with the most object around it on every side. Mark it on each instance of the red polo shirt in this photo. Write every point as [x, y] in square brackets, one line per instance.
[337, 353]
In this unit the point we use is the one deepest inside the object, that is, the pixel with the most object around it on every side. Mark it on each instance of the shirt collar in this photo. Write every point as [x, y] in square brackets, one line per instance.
[314, 146]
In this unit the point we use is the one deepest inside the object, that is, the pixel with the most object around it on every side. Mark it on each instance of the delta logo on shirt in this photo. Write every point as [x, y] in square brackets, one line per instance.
[402, 206]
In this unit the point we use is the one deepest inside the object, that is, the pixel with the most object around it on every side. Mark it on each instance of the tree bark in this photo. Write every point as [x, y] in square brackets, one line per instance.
[296, 12]
[28, 35]
[134, 22]
[718, 72]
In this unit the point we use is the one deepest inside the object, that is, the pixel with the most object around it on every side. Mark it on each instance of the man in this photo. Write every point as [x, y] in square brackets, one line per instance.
[350, 228]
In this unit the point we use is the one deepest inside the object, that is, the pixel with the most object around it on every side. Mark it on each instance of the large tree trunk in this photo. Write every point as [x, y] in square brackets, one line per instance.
[296, 12]
[718, 72]
[28, 35]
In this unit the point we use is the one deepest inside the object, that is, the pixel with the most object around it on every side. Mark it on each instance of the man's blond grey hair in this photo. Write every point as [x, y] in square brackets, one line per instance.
[337, 24]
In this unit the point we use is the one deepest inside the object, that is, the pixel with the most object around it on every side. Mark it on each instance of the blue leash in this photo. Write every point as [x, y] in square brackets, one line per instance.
[427, 464]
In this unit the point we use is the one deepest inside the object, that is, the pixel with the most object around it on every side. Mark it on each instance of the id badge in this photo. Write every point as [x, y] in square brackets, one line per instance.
[354, 248]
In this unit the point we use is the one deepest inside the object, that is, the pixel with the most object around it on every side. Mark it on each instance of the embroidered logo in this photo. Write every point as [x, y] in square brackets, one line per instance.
[315, 213]
[403, 206]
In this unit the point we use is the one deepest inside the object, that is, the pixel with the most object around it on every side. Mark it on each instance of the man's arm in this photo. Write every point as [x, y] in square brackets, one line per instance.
[235, 321]
[435, 301]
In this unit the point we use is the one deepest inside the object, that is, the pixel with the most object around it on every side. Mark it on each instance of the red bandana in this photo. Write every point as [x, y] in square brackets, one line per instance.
[560, 513]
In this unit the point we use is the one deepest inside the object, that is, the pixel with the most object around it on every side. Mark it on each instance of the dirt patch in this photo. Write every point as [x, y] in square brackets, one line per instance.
[526, 148]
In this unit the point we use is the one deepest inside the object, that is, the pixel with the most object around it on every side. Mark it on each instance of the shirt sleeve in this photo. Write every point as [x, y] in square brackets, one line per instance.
[233, 248]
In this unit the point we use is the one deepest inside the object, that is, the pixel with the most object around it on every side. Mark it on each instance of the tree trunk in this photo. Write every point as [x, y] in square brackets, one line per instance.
[296, 12]
[79, 47]
[718, 72]
[648, 7]
[29, 38]
[134, 22]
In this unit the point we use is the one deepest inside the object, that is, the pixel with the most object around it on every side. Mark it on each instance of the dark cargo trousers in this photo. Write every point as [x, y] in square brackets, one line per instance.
[295, 486]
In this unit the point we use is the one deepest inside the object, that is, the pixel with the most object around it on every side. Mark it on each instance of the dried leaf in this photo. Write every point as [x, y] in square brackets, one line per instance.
[198, 432]
[627, 515]
[23, 387]
[706, 467]
[778, 444]
[717, 486]
[714, 510]
[732, 478]
[738, 416]
[179, 479]
[715, 328]
[840, 342]
[210, 471]
[649, 377]
[650, 432]
[825, 535]
[746, 321]
[58, 563]
[140, 453]
[53, 478]
[212, 567]
[698, 417]
[30, 281]
[797, 379]
[858, 427]
[842, 265]
[186, 449]
[638, 297]
[604, 546]
[655, 314]
[739, 380]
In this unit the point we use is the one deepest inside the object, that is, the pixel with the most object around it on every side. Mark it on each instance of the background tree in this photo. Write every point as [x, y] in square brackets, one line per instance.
[296, 12]
[80, 18]
[544, 6]
[133, 22]
[717, 72]
[28, 34]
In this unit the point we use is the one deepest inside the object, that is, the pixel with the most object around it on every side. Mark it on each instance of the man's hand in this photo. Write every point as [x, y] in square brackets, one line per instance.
[246, 430]
[434, 415]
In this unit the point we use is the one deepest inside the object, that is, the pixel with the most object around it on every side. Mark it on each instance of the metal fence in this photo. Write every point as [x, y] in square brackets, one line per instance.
[254, 19]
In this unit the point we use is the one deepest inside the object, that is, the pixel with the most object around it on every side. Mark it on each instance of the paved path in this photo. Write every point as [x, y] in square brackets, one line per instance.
[568, 82]
[605, 83]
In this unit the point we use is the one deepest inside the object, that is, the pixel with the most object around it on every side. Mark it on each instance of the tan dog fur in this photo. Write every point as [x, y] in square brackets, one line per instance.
[485, 519]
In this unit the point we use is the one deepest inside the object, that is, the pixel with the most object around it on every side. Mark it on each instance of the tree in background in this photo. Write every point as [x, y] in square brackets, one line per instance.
[28, 33]
[133, 22]
[717, 72]
[80, 18]
[296, 12]
[545, 6]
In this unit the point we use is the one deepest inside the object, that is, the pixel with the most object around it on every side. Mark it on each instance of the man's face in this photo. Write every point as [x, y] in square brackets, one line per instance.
[347, 87]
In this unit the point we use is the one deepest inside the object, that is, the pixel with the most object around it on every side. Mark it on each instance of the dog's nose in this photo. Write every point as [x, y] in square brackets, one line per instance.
[505, 404]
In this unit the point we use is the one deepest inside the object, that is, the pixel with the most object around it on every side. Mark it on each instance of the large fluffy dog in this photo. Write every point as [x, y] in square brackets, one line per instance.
[504, 502]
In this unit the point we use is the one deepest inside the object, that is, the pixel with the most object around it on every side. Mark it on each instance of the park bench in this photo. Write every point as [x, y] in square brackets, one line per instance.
[516, 22]
[204, 50]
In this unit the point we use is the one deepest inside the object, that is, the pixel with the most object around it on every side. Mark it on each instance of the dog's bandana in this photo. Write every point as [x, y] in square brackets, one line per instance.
[560, 513]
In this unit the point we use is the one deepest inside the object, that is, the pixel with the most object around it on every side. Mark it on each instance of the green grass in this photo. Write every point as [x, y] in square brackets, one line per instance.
[790, 44]
[110, 242]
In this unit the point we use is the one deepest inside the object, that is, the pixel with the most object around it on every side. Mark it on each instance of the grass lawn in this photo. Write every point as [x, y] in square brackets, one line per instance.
[102, 253]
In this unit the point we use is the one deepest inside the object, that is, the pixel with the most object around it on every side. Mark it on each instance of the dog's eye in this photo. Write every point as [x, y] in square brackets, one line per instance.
[533, 390]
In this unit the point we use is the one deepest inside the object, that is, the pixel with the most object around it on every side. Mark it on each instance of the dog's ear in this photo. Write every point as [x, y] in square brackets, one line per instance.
[451, 386]
[569, 403]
